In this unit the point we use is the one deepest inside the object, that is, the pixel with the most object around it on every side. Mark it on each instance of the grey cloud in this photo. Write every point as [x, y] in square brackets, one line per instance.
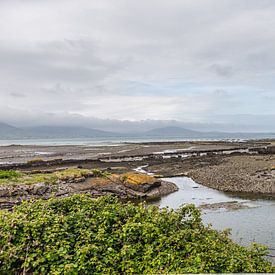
[222, 70]
[116, 59]
[62, 61]
[20, 95]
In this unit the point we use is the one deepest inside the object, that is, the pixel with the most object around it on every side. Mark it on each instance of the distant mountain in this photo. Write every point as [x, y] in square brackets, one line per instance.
[7, 131]
[178, 132]
[10, 132]
[6, 127]
[172, 131]
[66, 132]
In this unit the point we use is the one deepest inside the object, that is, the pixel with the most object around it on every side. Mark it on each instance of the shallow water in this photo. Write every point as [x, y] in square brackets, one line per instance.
[256, 223]
[105, 141]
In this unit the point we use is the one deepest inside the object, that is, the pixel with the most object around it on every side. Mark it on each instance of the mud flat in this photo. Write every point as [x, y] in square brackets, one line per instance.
[246, 166]
[242, 173]
[24, 153]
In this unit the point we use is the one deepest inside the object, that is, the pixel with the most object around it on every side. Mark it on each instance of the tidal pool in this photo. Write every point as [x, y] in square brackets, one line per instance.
[254, 223]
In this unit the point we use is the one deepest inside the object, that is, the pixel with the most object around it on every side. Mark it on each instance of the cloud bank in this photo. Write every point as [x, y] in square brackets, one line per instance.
[203, 61]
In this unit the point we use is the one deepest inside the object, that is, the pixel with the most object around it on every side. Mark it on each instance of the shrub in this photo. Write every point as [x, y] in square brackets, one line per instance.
[80, 235]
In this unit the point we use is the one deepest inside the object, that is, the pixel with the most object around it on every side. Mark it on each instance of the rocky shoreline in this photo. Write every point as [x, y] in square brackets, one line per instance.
[143, 188]
[246, 174]
[243, 167]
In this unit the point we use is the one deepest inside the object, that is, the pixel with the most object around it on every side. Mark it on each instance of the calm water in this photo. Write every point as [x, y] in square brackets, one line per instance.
[253, 224]
[100, 141]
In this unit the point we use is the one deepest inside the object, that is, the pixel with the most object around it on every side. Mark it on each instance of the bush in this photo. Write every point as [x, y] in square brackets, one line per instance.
[80, 235]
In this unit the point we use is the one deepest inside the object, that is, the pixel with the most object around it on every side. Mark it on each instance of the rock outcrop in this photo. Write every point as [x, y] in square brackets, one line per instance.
[125, 186]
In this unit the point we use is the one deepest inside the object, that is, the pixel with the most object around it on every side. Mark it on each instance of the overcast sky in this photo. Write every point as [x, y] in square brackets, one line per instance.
[196, 61]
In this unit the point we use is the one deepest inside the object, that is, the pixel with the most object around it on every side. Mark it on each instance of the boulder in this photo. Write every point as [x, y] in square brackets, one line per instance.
[39, 189]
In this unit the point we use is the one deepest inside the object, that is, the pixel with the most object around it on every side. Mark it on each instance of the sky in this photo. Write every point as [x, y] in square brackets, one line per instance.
[105, 62]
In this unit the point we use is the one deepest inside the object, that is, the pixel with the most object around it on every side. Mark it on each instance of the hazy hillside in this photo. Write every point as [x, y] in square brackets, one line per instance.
[178, 132]
[7, 131]
[10, 132]
[173, 131]
[66, 132]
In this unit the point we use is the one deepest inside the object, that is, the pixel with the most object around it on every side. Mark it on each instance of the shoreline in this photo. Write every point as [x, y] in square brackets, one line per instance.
[241, 167]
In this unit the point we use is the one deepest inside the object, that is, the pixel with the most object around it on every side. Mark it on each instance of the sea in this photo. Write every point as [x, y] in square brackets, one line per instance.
[105, 141]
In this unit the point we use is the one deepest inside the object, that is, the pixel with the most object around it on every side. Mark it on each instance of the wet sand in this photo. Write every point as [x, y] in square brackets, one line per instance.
[24, 153]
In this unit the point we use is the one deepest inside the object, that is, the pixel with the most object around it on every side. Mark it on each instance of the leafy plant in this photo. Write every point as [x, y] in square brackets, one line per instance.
[81, 235]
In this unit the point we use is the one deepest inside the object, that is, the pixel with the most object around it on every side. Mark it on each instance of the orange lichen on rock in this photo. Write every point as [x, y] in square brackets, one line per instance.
[134, 181]
[137, 178]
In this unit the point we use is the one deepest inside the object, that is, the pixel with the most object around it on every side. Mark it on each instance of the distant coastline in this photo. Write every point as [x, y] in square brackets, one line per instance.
[109, 141]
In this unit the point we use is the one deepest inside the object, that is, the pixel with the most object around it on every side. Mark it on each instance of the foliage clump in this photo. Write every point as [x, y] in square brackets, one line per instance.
[80, 235]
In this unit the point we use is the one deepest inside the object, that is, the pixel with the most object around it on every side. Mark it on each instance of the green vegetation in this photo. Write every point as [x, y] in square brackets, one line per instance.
[14, 177]
[100, 174]
[9, 174]
[23, 178]
[80, 235]
[72, 173]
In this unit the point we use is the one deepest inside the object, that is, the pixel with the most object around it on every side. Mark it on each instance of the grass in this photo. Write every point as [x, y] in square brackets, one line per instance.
[14, 177]
[9, 174]
[28, 179]
[72, 173]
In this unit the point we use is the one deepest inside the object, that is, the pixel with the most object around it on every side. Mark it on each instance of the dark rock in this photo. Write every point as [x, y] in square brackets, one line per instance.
[145, 187]
[39, 189]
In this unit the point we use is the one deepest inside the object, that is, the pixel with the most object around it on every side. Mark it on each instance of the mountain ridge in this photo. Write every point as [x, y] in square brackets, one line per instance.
[47, 131]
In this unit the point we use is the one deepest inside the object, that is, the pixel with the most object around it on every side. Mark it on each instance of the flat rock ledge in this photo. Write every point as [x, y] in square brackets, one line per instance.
[124, 187]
